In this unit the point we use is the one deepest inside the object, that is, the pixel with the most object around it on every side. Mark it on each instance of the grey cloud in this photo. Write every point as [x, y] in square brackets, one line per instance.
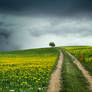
[1, 23]
[64, 28]
[33, 32]
[6, 42]
[4, 33]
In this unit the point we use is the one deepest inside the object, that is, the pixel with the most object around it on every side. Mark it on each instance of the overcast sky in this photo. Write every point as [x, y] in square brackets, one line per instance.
[26, 24]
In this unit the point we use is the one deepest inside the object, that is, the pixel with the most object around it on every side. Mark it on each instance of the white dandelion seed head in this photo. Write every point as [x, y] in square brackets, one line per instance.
[12, 91]
[39, 88]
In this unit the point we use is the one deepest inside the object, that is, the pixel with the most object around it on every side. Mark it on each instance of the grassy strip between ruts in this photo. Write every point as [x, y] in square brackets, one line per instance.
[72, 78]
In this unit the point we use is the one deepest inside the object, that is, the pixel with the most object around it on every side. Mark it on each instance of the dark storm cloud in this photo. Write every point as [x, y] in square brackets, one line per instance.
[6, 42]
[14, 5]
[4, 39]
[4, 33]
[1, 23]
[57, 7]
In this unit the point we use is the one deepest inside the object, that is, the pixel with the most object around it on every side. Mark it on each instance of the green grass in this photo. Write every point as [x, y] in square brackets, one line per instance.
[30, 52]
[73, 79]
[27, 70]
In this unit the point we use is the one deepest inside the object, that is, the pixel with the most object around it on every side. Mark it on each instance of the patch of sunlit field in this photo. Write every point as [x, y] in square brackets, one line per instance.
[83, 54]
[27, 70]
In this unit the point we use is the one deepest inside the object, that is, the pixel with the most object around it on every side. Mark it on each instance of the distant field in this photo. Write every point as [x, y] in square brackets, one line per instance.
[27, 70]
[83, 54]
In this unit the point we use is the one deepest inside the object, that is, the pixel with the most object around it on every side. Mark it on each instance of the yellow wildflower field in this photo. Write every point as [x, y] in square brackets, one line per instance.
[21, 72]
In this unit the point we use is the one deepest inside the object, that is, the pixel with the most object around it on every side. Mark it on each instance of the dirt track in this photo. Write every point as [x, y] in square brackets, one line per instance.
[55, 81]
[83, 70]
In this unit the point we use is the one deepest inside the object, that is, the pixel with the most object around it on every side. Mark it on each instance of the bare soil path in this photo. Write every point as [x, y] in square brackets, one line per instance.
[83, 70]
[55, 81]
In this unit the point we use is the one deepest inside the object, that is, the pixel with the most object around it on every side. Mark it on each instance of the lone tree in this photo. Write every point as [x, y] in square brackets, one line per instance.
[52, 44]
